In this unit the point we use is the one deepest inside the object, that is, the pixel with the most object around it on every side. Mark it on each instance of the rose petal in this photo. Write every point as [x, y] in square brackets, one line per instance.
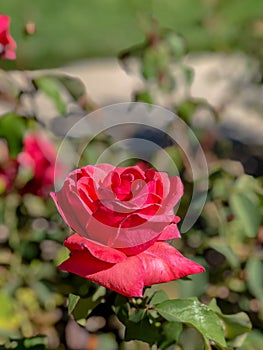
[125, 278]
[83, 264]
[176, 191]
[170, 232]
[71, 208]
[160, 263]
[77, 243]
[163, 263]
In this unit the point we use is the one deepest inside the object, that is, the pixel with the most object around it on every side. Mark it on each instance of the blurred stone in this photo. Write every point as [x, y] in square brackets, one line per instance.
[78, 338]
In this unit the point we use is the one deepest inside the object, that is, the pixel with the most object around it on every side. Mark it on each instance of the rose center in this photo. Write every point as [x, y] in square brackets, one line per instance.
[121, 185]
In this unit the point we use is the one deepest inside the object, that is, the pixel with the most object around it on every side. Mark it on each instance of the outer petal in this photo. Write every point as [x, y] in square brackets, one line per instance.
[67, 211]
[163, 263]
[84, 264]
[71, 208]
[159, 263]
[77, 243]
[125, 278]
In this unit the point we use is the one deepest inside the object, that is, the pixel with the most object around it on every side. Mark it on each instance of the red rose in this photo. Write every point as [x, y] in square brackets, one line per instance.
[7, 43]
[122, 216]
[39, 156]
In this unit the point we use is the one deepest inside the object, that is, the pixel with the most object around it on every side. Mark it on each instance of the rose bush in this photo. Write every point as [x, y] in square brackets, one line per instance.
[38, 156]
[122, 216]
[7, 43]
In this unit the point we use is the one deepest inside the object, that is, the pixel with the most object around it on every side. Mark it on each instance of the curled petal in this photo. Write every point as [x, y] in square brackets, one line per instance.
[99, 251]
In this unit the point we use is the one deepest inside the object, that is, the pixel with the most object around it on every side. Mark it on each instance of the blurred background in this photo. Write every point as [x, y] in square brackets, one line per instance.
[103, 28]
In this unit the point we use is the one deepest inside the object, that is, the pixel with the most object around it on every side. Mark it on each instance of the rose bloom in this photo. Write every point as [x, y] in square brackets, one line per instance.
[7, 43]
[121, 217]
[38, 157]
[8, 168]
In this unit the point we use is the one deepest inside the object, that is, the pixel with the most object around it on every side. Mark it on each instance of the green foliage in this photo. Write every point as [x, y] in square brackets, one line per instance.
[35, 343]
[255, 279]
[235, 325]
[12, 128]
[247, 212]
[139, 327]
[198, 315]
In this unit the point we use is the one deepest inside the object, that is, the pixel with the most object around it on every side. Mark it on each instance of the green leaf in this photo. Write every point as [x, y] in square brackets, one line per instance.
[73, 85]
[50, 86]
[173, 330]
[195, 314]
[38, 342]
[254, 274]
[137, 316]
[176, 44]
[235, 325]
[150, 64]
[245, 183]
[247, 212]
[12, 128]
[254, 341]
[122, 308]
[80, 308]
[158, 297]
[72, 302]
[141, 330]
[191, 339]
[186, 110]
[143, 96]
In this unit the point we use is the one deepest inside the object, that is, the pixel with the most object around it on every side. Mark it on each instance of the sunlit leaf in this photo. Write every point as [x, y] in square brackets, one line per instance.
[195, 314]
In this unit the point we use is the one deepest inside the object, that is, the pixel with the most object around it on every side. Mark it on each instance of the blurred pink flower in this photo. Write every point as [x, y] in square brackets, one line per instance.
[39, 157]
[7, 43]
